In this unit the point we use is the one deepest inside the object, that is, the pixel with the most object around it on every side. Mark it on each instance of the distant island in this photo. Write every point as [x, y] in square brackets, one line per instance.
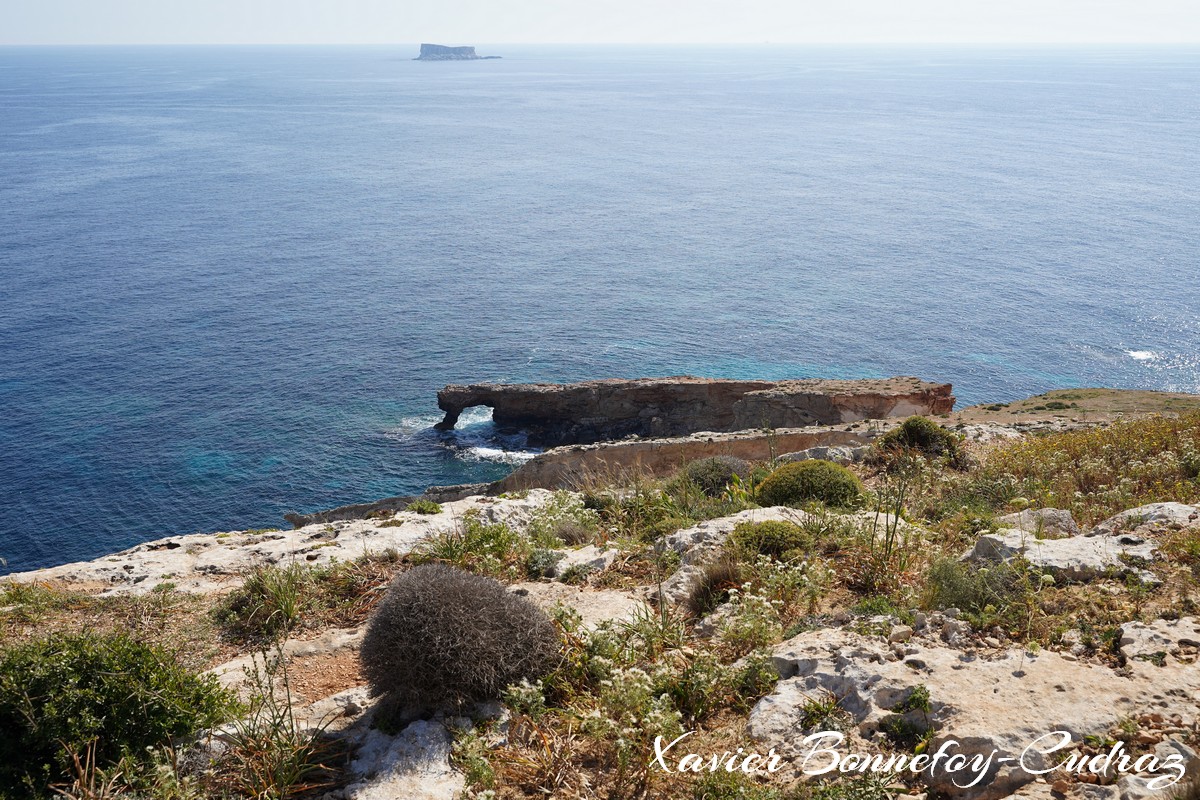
[440, 52]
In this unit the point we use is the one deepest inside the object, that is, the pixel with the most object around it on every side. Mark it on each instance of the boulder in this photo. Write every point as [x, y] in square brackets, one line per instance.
[1048, 523]
[587, 559]
[1152, 518]
[413, 764]
[1078, 558]
[697, 543]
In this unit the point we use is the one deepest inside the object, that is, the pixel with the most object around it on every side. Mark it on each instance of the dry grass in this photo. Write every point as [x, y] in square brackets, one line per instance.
[1094, 473]
[177, 621]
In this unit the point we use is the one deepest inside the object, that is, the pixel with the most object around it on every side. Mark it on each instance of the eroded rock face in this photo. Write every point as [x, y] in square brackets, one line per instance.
[594, 411]
[576, 465]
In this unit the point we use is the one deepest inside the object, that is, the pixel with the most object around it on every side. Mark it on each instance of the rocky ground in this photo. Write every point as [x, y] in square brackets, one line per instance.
[956, 608]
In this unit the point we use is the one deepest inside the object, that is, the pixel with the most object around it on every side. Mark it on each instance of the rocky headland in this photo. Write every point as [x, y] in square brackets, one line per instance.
[552, 414]
[1041, 574]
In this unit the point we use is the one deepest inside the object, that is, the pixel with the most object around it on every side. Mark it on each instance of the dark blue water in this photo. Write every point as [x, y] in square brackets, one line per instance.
[232, 280]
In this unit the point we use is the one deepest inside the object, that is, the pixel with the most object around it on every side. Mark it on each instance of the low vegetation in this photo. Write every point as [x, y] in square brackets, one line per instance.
[109, 697]
[274, 600]
[919, 435]
[814, 481]
[882, 539]
[1092, 472]
[714, 475]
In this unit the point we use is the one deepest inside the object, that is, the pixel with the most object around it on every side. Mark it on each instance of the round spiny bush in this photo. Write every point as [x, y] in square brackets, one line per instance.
[920, 434]
[713, 474]
[441, 635]
[62, 693]
[572, 532]
[802, 482]
[771, 538]
[711, 587]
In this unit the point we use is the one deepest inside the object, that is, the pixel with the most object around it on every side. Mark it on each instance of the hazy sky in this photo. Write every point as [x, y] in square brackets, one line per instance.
[500, 21]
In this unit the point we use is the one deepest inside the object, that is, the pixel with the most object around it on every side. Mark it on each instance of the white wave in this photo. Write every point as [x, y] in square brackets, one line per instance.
[1142, 355]
[484, 453]
[474, 438]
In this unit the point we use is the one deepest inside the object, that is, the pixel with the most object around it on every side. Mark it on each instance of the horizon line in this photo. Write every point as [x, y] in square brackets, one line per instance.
[805, 43]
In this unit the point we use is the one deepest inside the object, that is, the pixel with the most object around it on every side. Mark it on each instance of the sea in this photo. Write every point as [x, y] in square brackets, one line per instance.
[232, 279]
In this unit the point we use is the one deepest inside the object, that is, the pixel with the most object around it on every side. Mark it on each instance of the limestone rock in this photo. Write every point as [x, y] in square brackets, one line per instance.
[206, 562]
[566, 467]
[1003, 701]
[413, 764]
[440, 52]
[236, 673]
[698, 542]
[588, 559]
[838, 454]
[1051, 523]
[1078, 558]
[1155, 641]
[593, 605]
[1150, 518]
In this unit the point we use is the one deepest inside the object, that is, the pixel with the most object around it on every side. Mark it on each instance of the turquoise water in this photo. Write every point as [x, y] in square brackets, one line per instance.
[233, 279]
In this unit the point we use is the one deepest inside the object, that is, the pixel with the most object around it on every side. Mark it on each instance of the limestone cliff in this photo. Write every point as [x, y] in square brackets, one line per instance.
[595, 411]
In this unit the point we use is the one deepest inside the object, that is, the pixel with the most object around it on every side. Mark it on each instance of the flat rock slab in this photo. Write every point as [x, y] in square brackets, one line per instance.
[593, 605]
[838, 454]
[1155, 641]
[1003, 701]
[208, 562]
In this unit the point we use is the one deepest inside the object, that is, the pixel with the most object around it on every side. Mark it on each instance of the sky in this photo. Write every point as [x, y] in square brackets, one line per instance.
[596, 21]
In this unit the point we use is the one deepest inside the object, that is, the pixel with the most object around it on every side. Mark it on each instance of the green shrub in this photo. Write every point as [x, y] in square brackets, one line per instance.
[67, 692]
[424, 505]
[802, 482]
[441, 635]
[474, 545]
[774, 538]
[922, 435]
[269, 602]
[712, 475]
[986, 595]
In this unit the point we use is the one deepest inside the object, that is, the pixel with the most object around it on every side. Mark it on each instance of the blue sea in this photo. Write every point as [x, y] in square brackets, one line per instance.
[233, 279]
